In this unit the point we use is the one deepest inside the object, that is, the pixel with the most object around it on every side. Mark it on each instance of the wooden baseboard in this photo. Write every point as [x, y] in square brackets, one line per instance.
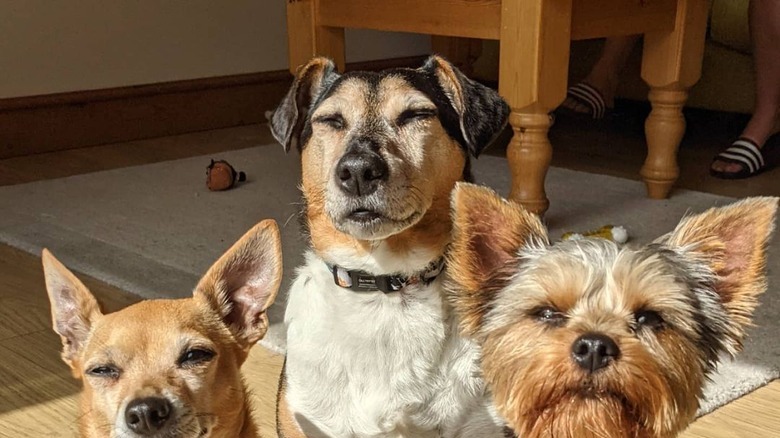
[37, 124]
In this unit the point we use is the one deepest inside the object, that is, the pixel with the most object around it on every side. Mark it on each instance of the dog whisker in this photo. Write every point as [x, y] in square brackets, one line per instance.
[291, 217]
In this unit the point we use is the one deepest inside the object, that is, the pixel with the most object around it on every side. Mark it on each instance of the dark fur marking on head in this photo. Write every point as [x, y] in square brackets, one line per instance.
[484, 113]
[293, 114]
[709, 314]
[484, 117]
[425, 83]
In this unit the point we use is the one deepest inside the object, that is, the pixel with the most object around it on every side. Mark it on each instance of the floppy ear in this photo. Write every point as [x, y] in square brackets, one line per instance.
[488, 231]
[73, 308]
[243, 283]
[731, 242]
[482, 112]
[289, 118]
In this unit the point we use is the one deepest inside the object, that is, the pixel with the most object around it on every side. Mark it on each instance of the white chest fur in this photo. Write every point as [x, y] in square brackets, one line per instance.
[378, 365]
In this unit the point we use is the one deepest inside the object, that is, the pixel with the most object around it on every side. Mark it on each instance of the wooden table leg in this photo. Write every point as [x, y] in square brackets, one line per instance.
[533, 68]
[306, 39]
[671, 64]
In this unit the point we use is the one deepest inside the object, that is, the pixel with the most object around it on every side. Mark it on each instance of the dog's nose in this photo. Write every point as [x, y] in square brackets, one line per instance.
[359, 173]
[147, 416]
[593, 351]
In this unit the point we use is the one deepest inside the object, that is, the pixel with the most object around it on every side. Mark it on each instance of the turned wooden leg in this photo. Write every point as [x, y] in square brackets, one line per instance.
[529, 154]
[671, 64]
[533, 65]
[664, 129]
[306, 39]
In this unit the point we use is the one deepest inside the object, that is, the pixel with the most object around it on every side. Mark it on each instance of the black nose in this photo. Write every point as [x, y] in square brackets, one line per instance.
[359, 173]
[593, 351]
[147, 416]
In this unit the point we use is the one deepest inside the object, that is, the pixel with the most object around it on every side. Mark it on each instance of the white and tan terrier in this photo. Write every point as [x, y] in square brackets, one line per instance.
[372, 350]
[588, 339]
[170, 368]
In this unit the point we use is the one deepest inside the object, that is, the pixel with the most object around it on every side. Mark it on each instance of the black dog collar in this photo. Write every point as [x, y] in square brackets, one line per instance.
[361, 281]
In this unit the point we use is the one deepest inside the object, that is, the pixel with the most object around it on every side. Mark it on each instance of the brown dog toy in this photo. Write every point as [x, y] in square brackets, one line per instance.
[220, 175]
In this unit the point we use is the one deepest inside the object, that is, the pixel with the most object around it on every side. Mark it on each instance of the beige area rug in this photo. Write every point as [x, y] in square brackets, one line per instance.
[153, 229]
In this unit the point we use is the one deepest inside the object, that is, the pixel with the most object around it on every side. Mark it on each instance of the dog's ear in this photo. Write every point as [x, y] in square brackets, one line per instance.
[73, 308]
[481, 111]
[243, 283]
[731, 242]
[488, 232]
[289, 118]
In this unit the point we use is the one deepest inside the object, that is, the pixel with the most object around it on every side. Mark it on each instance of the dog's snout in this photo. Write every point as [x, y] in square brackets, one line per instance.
[593, 351]
[149, 415]
[359, 173]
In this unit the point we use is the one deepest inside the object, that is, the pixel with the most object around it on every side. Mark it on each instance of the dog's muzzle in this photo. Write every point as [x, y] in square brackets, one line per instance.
[367, 198]
[361, 170]
[148, 416]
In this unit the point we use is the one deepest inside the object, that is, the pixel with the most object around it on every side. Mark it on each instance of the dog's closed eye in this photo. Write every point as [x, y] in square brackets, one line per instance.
[414, 115]
[195, 356]
[108, 371]
[335, 121]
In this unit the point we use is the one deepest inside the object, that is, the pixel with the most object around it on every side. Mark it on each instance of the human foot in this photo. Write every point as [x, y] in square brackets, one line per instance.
[594, 96]
[746, 155]
[586, 99]
[744, 158]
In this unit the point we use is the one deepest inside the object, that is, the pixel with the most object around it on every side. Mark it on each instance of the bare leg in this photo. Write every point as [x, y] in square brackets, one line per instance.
[605, 74]
[765, 31]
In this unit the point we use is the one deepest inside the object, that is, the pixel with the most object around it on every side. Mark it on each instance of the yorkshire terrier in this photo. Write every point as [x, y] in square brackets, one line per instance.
[589, 339]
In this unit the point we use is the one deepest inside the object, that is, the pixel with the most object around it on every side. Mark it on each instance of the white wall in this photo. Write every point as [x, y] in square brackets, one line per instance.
[52, 46]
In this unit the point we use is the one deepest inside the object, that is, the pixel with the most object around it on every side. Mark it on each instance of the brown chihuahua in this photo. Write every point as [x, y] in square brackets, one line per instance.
[170, 368]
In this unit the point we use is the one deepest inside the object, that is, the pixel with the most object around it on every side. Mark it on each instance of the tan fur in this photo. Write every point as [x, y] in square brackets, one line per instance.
[432, 178]
[146, 340]
[504, 271]
[732, 240]
[484, 245]
[449, 80]
[656, 405]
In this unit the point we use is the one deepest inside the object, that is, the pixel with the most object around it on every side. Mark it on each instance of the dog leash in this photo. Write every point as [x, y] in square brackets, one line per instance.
[361, 281]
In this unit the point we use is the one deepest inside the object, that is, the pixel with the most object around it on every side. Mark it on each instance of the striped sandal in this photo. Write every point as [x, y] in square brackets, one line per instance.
[749, 156]
[589, 97]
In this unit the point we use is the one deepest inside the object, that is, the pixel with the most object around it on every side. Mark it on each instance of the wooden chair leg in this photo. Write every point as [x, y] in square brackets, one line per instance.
[533, 68]
[529, 154]
[664, 129]
[306, 39]
[671, 64]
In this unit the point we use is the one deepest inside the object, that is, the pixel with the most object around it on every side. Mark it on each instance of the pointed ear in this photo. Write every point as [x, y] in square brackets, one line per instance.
[289, 118]
[243, 283]
[482, 112]
[731, 241]
[73, 308]
[488, 231]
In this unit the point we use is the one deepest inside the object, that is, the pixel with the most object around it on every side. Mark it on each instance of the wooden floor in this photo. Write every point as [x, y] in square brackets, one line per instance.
[38, 395]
